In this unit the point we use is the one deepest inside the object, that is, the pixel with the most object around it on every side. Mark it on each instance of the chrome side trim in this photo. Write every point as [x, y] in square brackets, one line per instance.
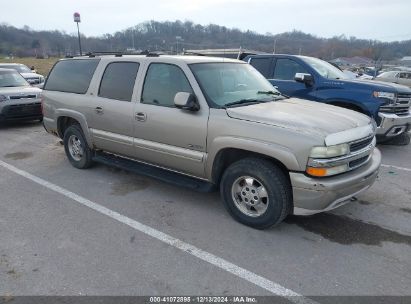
[113, 137]
[158, 166]
[169, 150]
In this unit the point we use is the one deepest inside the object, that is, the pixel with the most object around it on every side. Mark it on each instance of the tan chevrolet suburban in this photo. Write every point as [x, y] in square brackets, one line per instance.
[208, 123]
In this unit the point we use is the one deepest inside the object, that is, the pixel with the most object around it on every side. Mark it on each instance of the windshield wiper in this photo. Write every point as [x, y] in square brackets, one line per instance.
[269, 93]
[243, 102]
[280, 96]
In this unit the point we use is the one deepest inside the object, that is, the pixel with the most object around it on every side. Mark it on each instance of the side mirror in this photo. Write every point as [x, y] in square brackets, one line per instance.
[186, 101]
[304, 78]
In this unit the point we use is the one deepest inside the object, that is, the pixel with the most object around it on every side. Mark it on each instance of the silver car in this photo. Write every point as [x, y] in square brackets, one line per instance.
[31, 76]
[18, 100]
[400, 77]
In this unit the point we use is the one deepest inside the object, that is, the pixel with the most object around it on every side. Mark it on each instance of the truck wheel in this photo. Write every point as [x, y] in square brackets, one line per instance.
[77, 150]
[256, 193]
[400, 140]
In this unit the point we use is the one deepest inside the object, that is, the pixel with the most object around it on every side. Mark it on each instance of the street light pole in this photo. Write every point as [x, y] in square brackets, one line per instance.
[76, 17]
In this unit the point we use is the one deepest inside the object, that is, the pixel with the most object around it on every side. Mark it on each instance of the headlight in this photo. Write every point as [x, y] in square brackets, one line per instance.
[330, 151]
[385, 95]
[319, 168]
[3, 98]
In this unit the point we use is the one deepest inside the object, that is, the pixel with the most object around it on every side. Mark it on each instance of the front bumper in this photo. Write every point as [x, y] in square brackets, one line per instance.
[393, 125]
[21, 111]
[315, 195]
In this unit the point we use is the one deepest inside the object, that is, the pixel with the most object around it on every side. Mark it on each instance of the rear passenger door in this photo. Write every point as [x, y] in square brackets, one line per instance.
[283, 77]
[111, 113]
[164, 135]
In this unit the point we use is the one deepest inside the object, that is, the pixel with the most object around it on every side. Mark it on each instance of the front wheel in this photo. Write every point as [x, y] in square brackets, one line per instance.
[256, 193]
[76, 148]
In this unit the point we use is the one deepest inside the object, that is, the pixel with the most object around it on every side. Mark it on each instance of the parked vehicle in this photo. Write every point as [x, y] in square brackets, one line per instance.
[400, 77]
[18, 100]
[314, 79]
[211, 123]
[31, 76]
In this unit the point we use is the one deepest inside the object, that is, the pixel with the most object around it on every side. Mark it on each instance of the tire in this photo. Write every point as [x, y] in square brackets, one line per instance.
[76, 148]
[253, 174]
[400, 140]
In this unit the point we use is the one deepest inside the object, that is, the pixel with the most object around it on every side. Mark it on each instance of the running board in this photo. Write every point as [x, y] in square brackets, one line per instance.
[154, 172]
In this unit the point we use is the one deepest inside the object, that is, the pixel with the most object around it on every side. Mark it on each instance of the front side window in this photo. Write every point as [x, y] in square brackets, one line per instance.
[72, 76]
[285, 69]
[118, 80]
[163, 81]
[227, 83]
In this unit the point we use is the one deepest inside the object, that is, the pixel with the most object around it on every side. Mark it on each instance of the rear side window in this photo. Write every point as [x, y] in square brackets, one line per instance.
[118, 80]
[263, 65]
[72, 76]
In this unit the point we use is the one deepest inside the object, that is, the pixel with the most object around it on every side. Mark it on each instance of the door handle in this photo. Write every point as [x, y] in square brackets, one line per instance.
[99, 110]
[140, 116]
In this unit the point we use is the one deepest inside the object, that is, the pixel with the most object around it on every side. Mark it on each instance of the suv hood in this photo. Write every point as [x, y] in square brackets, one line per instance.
[30, 75]
[303, 116]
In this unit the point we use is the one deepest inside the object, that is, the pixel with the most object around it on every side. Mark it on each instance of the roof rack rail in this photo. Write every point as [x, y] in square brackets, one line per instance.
[120, 54]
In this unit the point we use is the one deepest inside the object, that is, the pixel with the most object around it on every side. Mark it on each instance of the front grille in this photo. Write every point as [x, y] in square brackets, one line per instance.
[399, 110]
[361, 144]
[358, 162]
[22, 110]
[23, 96]
[35, 80]
[404, 95]
[400, 106]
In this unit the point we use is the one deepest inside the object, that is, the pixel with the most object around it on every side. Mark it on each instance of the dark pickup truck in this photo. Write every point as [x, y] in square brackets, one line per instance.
[317, 80]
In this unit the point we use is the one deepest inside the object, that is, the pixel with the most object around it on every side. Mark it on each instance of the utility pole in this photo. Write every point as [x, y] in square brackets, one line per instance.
[275, 44]
[132, 38]
[76, 17]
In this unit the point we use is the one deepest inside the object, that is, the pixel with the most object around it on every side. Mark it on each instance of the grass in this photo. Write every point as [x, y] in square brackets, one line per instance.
[43, 66]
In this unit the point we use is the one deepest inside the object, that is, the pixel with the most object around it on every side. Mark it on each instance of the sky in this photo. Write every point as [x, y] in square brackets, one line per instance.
[385, 20]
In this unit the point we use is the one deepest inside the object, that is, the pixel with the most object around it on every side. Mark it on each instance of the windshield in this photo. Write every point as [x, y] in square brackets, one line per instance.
[324, 68]
[19, 68]
[12, 79]
[224, 84]
[387, 75]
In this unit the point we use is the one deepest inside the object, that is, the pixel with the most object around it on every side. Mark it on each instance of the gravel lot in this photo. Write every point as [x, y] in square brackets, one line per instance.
[53, 245]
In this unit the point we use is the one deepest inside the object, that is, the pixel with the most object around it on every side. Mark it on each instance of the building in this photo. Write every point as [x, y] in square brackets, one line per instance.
[405, 61]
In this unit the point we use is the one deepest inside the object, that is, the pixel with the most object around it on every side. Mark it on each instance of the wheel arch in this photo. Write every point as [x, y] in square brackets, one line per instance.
[67, 118]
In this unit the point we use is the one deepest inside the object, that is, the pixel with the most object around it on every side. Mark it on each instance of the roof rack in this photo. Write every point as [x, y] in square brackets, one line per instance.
[120, 54]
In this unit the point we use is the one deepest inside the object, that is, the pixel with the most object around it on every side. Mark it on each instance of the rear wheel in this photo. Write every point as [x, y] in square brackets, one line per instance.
[76, 148]
[256, 193]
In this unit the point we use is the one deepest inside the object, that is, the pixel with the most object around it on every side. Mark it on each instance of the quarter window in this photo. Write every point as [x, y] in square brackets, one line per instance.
[72, 76]
[118, 80]
[285, 69]
[162, 83]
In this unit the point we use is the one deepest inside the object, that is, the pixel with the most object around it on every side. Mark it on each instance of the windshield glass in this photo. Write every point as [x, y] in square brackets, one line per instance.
[12, 79]
[19, 68]
[387, 75]
[226, 83]
[324, 68]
